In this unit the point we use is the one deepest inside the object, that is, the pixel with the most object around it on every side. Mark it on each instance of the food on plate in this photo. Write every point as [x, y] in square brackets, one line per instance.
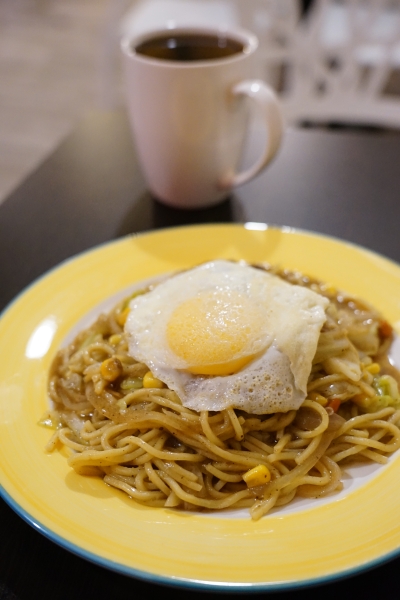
[227, 385]
[228, 335]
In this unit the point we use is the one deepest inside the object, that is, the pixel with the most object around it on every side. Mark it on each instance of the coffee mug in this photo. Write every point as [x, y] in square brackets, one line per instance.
[186, 95]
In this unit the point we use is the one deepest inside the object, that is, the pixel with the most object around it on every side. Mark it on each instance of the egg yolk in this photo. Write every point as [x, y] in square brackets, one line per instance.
[215, 333]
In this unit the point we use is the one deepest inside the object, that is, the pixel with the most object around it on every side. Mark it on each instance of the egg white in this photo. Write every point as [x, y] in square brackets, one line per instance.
[284, 344]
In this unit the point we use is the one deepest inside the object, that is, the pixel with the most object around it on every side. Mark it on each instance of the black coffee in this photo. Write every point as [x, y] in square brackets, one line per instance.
[189, 46]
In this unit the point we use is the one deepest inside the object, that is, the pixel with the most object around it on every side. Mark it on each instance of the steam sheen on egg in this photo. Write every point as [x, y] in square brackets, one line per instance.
[228, 335]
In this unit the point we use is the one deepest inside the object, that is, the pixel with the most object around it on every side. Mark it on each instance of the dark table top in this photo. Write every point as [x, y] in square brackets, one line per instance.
[90, 190]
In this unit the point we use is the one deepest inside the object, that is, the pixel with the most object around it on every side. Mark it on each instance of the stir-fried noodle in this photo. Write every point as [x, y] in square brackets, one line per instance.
[118, 424]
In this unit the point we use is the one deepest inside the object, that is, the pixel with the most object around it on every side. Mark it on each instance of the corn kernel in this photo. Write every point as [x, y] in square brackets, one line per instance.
[122, 316]
[318, 398]
[115, 339]
[259, 475]
[362, 400]
[149, 381]
[111, 369]
[374, 368]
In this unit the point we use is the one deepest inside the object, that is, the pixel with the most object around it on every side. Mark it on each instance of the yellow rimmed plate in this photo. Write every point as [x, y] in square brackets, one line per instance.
[307, 544]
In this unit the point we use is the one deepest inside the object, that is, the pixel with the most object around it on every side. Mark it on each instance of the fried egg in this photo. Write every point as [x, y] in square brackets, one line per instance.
[227, 334]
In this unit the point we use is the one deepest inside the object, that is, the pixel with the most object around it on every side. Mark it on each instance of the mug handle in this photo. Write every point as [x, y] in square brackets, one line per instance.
[267, 101]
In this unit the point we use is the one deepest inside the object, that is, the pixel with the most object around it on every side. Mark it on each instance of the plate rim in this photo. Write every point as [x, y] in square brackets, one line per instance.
[148, 576]
[190, 584]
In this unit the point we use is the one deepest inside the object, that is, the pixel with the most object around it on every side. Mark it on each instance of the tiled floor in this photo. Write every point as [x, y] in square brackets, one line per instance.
[49, 57]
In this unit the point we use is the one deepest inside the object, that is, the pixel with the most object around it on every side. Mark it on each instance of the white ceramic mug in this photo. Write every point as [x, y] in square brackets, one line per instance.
[189, 118]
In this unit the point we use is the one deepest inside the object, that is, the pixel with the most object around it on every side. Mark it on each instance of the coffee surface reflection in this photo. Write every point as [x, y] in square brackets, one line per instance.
[189, 47]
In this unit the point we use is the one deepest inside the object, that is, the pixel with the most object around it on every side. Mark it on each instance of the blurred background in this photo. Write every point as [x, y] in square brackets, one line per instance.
[48, 77]
[334, 63]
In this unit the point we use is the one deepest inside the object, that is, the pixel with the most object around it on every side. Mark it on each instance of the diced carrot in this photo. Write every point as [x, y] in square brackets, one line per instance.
[334, 404]
[385, 329]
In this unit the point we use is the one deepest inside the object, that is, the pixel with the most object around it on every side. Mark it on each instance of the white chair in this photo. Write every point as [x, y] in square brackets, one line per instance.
[342, 59]
[333, 66]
